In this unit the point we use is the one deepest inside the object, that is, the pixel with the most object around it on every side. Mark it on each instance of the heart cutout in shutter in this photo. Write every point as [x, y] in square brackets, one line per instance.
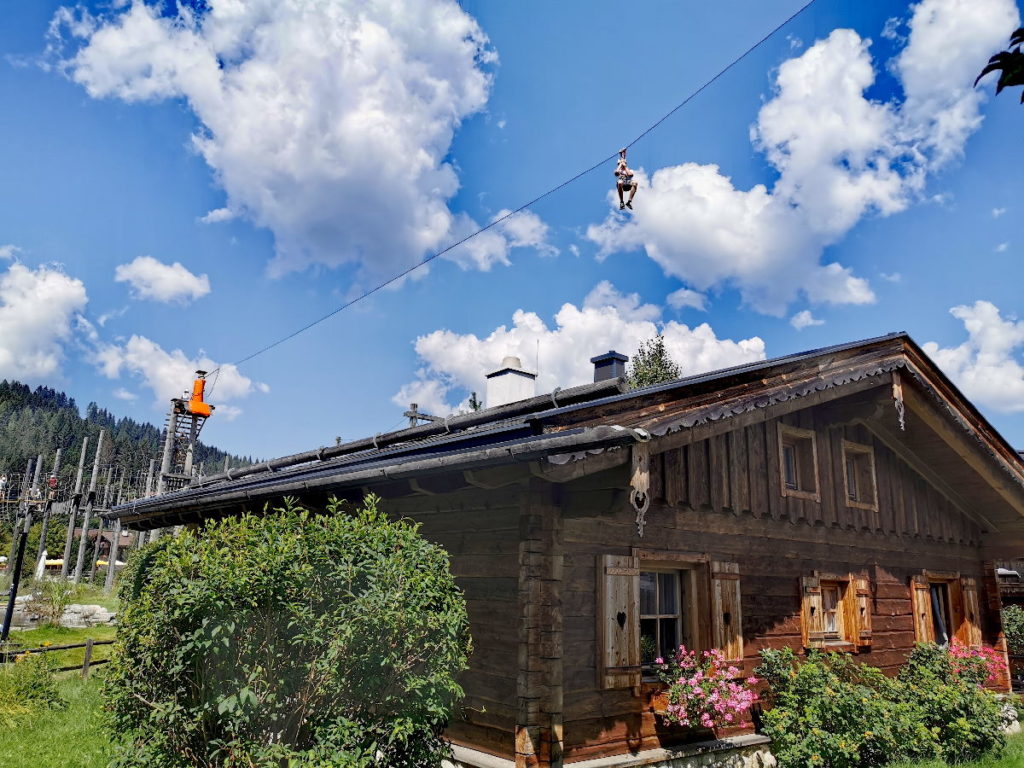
[621, 618]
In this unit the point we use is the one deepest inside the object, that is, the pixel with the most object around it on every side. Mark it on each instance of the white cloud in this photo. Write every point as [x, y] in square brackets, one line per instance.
[997, 212]
[170, 374]
[1001, 248]
[123, 394]
[520, 230]
[684, 297]
[8, 252]
[328, 123]
[840, 156]
[217, 215]
[152, 279]
[891, 277]
[453, 363]
[38, 308]
[987, 366]
[804, 319]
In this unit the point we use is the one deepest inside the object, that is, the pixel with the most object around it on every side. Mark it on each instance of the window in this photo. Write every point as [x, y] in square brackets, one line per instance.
[836, 611]
[831, 605]
[798, 462]
[946, 607]
[859, 471]
[942, 619]
[651, 602]
[661, 614]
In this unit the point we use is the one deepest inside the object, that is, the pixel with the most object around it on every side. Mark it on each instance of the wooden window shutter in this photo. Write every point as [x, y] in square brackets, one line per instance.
[726, 612]
[969, 631]
[618, 621]
[859, 623]
[812, 614]
[921, 602]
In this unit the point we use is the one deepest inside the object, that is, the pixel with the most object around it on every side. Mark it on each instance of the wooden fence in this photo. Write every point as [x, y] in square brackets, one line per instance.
[87, 661]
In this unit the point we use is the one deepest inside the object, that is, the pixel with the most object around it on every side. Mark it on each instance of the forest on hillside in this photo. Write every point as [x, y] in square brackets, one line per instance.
[38, 421]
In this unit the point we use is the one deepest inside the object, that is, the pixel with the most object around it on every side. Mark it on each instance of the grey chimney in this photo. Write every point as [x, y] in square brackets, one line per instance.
[610, 365]
[510, 383]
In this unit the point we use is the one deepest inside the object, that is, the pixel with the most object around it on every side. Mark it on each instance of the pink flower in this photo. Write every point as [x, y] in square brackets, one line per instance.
[659, 660]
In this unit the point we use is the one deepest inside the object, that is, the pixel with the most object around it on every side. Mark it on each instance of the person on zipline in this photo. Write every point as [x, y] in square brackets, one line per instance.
[625, 181]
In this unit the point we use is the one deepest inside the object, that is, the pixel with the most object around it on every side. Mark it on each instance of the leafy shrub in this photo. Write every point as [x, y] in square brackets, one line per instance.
[966, 719]
[27, 684]
[702, 690]
[1013, 627]
[982, 666]
[831, 711]
[53, 596]
[289, 639]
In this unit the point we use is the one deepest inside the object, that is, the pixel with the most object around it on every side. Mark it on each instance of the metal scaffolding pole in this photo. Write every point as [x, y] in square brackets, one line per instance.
[73, 504]
[51, 497]
[89, 502]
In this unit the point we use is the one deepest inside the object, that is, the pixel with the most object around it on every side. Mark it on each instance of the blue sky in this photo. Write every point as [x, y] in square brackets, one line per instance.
[338, 150]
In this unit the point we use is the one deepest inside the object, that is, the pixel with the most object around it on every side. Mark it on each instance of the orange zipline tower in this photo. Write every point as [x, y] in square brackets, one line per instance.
[184, 422]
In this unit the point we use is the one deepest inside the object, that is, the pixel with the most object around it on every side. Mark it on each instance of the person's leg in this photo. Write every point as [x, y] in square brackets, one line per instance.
[632, 194]
[621, 203]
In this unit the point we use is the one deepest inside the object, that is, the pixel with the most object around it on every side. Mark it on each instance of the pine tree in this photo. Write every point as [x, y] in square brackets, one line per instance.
[652, 364]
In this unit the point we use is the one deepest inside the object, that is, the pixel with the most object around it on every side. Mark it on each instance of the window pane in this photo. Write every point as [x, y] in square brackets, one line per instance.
[648, 593]
[648, 640]
[668, 594]
[829, 603]
[940, 612]
[669, 636]
[851, 478]
[789, 464]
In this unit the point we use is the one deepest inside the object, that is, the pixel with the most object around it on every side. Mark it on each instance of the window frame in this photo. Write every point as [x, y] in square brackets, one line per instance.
[795, 435]
[693, 604]
[853, 633]
[682, 599]
[851, 449]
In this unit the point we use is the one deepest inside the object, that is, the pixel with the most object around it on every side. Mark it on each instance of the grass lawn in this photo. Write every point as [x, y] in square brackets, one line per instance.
[90, 594]
[38, 638]
[1012, 757]
[69, 738]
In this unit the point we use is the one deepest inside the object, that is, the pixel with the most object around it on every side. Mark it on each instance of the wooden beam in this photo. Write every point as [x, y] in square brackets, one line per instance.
[696, 433]
[962, 445]
[894, 443]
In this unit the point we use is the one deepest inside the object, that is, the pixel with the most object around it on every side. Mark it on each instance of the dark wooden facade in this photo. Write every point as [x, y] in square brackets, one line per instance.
[548, 550]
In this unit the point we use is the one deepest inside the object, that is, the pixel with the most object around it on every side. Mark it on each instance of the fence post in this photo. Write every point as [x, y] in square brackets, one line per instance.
[88, 658]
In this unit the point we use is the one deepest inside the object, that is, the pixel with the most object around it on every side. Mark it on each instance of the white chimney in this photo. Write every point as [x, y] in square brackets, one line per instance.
[510, 383]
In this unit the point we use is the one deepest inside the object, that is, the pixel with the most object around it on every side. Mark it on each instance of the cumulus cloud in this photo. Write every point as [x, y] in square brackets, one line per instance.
[169, 374]
[804, 319]
[123, 394]
[455, 363]
[327, 123]
[684, 297]
[8, 252]
[152, 279]
[493, 246]
[996, 213]
[1001, 248]
[38, 308]
[840, 156]
[987, 365]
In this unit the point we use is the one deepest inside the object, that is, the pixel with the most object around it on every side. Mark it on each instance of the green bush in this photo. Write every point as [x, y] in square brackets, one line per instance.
[831, 712]
[1013, 627]
[289, 639]
[966, 719]
[27, 684]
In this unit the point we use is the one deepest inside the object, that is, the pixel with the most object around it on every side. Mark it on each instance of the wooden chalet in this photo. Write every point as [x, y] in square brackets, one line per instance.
[847, 498]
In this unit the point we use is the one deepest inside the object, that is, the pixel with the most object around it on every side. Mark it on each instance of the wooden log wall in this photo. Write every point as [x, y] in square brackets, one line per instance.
[481, 532]
[723, 497]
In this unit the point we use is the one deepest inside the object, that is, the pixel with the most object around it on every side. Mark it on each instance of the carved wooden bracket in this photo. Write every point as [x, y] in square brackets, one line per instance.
[640, 483]
[897, 397]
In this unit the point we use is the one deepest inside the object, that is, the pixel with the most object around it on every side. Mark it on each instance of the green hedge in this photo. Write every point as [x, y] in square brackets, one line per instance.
[831, 712]
[289, 639]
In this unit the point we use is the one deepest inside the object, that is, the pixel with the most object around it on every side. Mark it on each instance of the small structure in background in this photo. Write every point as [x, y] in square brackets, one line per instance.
[184, 423]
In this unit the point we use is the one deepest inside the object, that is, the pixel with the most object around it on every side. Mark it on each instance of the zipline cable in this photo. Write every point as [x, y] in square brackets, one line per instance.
[521, 208]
